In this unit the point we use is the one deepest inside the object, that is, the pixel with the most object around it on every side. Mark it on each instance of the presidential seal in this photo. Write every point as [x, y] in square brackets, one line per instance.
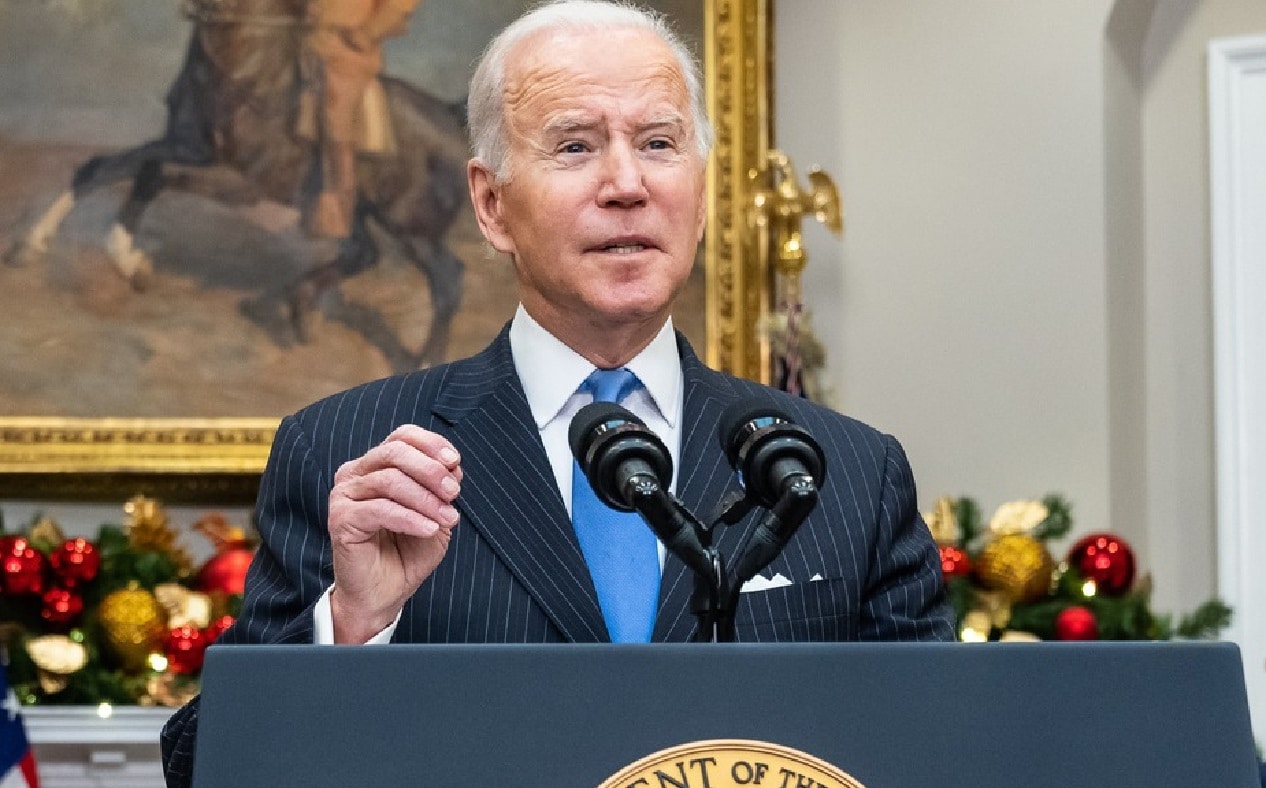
[729, 763]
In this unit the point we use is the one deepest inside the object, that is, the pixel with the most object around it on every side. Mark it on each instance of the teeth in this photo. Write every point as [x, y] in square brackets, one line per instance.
[624, 249]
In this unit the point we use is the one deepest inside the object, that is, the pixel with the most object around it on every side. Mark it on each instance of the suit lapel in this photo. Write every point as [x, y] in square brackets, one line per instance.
[509, 493]
[703, 479]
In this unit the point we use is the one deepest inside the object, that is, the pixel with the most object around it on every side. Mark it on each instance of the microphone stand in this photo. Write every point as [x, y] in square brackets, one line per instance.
[706, 600]
[715, 597]
[688, 539]
[772, 534]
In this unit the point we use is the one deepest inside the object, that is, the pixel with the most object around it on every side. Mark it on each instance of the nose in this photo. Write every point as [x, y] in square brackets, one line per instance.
[623, 184]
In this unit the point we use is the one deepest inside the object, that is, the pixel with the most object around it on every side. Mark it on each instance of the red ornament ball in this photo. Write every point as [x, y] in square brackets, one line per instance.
[75, 562]
[185, 647]
[1076, 623]
[216, 628]
[21, 566]
[1106, 559]
[226, 571]
[954, 561]
[61, 606]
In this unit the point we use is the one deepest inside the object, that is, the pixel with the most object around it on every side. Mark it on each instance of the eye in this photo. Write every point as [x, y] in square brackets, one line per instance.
[574, 146]
[660, 143]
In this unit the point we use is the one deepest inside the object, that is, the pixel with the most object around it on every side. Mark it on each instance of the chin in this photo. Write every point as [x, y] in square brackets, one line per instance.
[634, 310]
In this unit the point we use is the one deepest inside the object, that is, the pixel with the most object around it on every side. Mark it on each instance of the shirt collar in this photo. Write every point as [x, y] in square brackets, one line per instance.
[551, 372]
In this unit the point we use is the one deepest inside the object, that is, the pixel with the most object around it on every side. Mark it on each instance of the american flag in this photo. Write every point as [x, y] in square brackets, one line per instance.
[15, 750]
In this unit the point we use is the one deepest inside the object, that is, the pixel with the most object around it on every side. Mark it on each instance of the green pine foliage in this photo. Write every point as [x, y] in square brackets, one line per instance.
[102, 679]
[1128, 616]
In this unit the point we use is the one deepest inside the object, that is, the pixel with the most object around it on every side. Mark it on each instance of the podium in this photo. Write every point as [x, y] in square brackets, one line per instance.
[895, 714]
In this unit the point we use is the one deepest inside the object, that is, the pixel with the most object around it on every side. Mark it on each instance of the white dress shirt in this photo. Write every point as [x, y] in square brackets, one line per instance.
[551, 374]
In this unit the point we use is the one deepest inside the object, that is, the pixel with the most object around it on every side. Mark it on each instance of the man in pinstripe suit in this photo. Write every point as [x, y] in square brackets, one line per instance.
[427, 507]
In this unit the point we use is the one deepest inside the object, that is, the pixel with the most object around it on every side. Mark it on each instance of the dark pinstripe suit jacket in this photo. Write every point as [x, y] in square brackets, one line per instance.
[514, 571]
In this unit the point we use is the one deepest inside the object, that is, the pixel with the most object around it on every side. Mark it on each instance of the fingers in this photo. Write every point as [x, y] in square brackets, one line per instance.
[426, 457]
[422, 488]
[405, 484]
[364, 516]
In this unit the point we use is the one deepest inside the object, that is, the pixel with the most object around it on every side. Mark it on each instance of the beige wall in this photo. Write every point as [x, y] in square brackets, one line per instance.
[1022, 292]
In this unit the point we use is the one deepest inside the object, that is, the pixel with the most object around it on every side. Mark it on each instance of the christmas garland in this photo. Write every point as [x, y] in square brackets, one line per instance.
[123, 618]
[1005, 584]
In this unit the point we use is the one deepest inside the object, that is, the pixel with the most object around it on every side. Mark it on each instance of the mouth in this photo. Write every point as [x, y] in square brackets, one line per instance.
[621, 246]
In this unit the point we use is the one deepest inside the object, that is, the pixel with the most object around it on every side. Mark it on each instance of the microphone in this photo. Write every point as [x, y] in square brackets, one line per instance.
[629, 468]
[617, 451]
[780, 465]
[769, 451]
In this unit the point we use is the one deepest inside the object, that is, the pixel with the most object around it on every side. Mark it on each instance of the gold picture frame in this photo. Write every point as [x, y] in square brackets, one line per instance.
[220, 459]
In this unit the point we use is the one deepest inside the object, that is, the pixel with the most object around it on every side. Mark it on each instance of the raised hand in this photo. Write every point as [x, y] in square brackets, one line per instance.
[391, 519]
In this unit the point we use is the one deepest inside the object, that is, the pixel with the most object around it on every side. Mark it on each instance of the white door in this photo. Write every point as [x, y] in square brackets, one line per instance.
[1237, 154]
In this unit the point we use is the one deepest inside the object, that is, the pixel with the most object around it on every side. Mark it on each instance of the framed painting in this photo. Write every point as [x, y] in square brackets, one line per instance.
[159, 318]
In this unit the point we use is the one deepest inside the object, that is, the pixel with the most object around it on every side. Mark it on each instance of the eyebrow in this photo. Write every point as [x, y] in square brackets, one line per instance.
[572, 122]
[671, 120]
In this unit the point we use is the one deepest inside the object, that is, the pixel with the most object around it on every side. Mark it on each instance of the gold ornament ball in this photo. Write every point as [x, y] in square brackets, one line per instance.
[1017, 565]
[133, 624]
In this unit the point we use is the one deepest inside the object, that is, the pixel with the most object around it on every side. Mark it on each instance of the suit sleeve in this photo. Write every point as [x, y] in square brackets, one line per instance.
[291, 570]
[905, 594]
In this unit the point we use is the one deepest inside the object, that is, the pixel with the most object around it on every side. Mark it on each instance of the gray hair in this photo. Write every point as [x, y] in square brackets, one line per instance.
[485, 107]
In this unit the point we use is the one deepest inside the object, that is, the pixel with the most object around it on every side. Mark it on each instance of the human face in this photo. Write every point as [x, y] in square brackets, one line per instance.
[603, 208]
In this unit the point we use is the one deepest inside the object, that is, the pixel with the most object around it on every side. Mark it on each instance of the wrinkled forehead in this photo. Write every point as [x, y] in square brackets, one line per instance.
[551, 69]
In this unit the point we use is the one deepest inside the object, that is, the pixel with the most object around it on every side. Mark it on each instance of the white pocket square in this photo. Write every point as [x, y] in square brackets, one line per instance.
[760, 583]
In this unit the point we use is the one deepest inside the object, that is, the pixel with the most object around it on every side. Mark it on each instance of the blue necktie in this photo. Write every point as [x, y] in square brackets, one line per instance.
[621, 550]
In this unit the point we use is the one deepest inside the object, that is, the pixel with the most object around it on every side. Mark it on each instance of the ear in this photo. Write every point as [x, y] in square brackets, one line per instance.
[485, 195]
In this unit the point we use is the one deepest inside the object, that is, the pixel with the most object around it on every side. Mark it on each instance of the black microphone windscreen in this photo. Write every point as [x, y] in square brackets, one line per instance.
[589, 418]
[735, 419]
